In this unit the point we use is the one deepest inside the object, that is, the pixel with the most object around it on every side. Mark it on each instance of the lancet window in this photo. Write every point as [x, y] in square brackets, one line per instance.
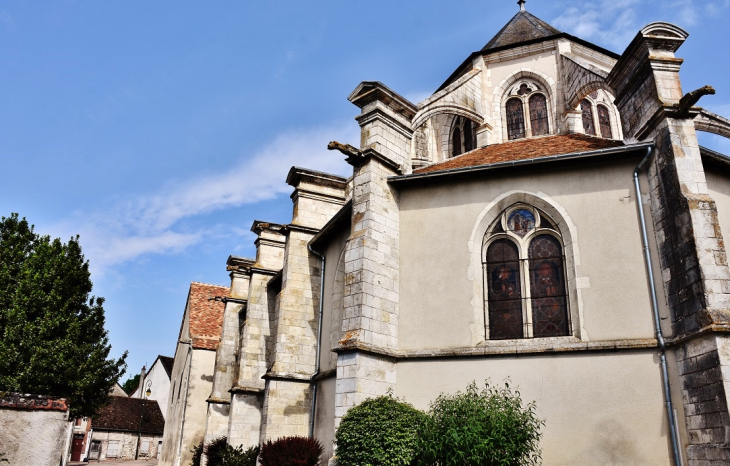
[604, 122]
[586, 108]
[524, 276]
[527, 99]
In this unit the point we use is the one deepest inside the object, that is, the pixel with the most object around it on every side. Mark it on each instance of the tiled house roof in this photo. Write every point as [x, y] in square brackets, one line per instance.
[10, 400]
[167, 363]
[206, 315]
[520, 149]
[123, 414]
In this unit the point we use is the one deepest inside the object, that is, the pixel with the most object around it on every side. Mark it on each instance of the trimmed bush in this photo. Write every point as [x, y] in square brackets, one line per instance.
[197, 452]
[291, 451]
[481, 428]
[220, 453]
[379, 431]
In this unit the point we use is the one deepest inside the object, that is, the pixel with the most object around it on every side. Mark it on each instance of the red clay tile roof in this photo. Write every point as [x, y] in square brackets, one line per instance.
[9, 400]
[123, 414]
[206, 316]
[524, 149]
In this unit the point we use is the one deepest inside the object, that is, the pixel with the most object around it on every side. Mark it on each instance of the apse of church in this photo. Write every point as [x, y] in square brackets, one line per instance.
[492, 231]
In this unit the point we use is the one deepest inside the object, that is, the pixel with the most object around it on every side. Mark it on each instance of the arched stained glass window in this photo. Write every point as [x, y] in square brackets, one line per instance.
[604, 121]
[505, 294]
[539, 115]
[547, 287]
[524, 272]
[589, 127]
[456, 142]
[515, 119]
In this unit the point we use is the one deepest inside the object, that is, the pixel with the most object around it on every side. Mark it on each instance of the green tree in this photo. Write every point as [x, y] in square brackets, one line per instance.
[52, 336]
[131, 384]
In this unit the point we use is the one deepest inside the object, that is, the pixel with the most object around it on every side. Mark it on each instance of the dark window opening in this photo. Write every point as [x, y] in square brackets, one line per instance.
[504, 292]
[587, 110]
[539, 115]
[515, 119]
[456, 142]
[604, 121]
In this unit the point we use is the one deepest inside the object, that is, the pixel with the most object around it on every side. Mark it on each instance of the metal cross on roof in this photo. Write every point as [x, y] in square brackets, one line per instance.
[521, 3]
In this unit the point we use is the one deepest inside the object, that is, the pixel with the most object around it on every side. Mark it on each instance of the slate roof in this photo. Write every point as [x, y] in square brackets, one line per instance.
[520, 149]
[123, 414]
[167, 363]
[522, 27]
[206, 315]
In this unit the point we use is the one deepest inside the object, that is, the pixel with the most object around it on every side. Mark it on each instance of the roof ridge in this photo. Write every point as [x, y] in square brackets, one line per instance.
[208, 284]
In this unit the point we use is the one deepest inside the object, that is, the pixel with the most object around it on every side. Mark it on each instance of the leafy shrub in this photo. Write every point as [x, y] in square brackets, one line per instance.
[484, 428]
[379, 431]
[220, 453]
[197, 452]
[291, 451]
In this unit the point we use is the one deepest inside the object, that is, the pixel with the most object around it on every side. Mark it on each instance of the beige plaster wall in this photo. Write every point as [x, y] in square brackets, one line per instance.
[324, 420]
[599, 408]
[718, 185]
[33, 437]
[439, 303]
[200, 385]
[333, 299]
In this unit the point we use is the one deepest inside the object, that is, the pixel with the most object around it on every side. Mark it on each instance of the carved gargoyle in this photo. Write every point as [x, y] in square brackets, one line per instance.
[691, 98]
[351, 152]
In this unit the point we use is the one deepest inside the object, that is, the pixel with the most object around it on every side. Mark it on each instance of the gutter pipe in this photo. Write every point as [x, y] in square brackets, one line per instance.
[655, 309]
[319, 340]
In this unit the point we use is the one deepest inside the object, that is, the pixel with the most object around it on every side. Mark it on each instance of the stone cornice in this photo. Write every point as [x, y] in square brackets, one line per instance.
[502, 348]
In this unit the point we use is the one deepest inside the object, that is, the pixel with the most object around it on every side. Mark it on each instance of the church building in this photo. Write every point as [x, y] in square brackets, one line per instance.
[546, 217]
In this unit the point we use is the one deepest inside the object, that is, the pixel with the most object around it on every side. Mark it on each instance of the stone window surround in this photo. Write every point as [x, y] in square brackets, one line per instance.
[464, 120]
[568, 232]
[502, 95]
[542, 89]
[523, 244]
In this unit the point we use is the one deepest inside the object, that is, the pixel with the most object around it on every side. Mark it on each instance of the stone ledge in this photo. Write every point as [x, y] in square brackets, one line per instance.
[218, 401]
[723, 328]
[247, 389]
[291, 376]
[501, 348]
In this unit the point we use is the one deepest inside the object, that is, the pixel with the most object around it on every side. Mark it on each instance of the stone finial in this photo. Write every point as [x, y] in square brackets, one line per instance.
[521, 3]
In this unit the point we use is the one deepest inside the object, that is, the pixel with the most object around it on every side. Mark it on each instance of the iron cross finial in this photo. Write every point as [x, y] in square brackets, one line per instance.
[521, 3]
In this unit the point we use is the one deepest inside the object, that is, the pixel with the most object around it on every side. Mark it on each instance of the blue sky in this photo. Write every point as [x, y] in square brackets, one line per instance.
[158, 131]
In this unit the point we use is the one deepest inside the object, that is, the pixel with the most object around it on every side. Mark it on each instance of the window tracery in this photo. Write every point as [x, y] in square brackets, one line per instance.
[527, 96]
[524, 276]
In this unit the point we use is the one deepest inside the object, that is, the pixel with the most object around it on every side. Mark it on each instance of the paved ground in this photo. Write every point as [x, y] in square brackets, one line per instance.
[115, 463]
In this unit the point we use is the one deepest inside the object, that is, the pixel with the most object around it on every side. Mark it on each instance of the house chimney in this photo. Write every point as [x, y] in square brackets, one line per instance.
[140, 387]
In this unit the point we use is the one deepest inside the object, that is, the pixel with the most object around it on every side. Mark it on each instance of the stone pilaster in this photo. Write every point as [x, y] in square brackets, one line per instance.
[317, 198]
[690, 245]
[225, 358]
[244, 426]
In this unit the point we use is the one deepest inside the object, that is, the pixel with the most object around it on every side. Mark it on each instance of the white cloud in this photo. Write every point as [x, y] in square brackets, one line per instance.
[152, 223]
[611, 23]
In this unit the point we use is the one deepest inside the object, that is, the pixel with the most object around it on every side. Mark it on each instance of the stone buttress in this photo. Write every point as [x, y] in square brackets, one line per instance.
[365, 367]
[690, 246]
[317, 197]
[225, 357]
[253, 332]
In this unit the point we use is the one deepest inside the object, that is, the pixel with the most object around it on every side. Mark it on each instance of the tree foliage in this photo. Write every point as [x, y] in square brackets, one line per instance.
[219, 453]
[379, 431]
[291, 451]
[52, 336]
[487, 427]
[131, 384]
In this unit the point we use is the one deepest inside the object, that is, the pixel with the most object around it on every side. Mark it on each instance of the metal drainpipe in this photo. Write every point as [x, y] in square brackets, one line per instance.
[319, 340]
[655, 308]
